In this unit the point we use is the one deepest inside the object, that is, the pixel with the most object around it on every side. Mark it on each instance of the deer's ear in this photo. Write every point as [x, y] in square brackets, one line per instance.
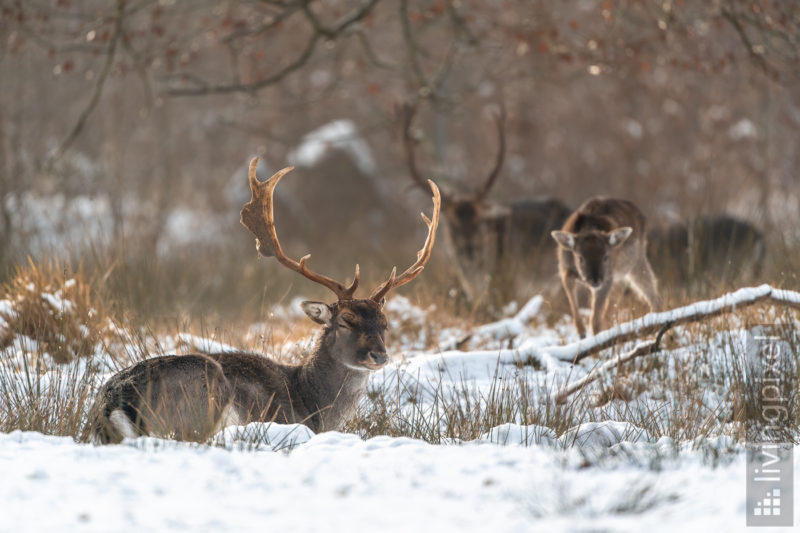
[319, 312]
[564, 238]
[618, 236]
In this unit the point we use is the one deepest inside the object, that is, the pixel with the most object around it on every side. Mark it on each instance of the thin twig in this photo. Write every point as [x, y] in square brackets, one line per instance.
[98, 89]
[320, 30]
[644, 348]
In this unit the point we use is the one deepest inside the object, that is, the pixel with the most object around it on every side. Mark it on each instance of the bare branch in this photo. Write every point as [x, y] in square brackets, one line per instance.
[733, 19]
[568, 390]
[251, 87]
[405, 113]
[320, 30]
[342, 24]
[411, 45]
[654, 322]
[98, 88]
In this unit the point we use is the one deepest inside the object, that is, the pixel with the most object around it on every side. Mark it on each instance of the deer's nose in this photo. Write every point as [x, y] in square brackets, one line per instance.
[378, 358]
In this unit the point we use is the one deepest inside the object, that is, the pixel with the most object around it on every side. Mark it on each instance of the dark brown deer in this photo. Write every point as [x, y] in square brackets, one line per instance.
[603, 243]
[190, 397]
[491, 240]
[710, 250]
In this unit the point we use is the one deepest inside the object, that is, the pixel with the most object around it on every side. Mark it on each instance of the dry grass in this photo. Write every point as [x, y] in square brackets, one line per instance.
[61, 311]
[664, 394]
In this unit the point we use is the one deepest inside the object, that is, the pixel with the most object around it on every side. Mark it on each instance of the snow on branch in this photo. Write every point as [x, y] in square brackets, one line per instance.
[553, 357]
[661, 322]
[656, 322]
[502, 329]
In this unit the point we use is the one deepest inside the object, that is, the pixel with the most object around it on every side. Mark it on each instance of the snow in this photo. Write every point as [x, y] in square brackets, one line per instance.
[604, 434]
[744, 129]
[336, 481]
[730, 300]
[188, 228]
[511, 327]
[602, 473]
[337, 135]
[57, 225]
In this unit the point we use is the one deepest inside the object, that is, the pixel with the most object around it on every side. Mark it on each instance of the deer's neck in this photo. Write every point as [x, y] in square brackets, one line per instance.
[330, 390]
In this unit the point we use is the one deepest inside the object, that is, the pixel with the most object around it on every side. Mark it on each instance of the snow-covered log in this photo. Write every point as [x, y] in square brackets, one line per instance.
[654, 322]
[502, 329]
[660, 322]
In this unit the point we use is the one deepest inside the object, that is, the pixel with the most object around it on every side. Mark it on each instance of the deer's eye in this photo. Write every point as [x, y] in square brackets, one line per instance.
[605, 258]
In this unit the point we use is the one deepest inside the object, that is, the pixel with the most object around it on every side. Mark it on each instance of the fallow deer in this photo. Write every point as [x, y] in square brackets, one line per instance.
[715, 249]
[603, 243]
[488, 239]
[190, 397]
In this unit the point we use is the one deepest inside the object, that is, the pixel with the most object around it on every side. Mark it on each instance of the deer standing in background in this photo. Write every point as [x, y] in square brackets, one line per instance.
[190, 397]
[715, 249]
[488, 239]
[603, 243]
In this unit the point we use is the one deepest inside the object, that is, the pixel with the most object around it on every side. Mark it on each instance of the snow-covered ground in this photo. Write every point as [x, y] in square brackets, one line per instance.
[337, 482]
[604, 473]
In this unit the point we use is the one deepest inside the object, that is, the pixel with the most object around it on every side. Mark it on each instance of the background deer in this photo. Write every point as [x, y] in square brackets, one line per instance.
[716, 249]
[491, 242]
[190, 397]
[603, 243]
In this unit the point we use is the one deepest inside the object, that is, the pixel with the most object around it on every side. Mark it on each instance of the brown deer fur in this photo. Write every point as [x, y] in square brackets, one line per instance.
[190, 397]
[602, 243]
[489, 240]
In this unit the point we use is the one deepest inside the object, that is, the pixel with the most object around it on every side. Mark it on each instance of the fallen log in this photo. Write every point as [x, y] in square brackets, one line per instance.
[654, 322]
[661, 323]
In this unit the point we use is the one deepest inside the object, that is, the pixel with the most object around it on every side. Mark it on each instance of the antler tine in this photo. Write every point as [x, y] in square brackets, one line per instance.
[406, 111]
[258, 216]
[422, 255]
[501, 152]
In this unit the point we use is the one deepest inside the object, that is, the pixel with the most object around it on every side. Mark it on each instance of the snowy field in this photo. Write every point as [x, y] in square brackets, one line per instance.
[605, 472]
[336, 482]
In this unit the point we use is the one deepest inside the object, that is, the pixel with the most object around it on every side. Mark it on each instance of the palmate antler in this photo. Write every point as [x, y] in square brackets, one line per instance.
[258, 216]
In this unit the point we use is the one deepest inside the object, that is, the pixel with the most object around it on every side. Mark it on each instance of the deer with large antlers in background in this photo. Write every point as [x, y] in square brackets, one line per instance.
[492, 243]
[190, 397]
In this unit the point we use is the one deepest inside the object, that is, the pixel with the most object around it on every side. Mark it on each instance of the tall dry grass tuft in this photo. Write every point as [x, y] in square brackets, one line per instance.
[59, 310]
[54, 339]
[53, 403]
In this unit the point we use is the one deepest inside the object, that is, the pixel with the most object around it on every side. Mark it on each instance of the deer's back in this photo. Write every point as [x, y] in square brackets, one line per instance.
[263, 390]
[606, 214]
[179, 396]
[533, 220]
[714, 247]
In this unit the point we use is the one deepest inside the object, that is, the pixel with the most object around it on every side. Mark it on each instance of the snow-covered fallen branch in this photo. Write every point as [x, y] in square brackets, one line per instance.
[655, 322]
[566, 391]
[502, 329]
[664, 321]
[554, 357]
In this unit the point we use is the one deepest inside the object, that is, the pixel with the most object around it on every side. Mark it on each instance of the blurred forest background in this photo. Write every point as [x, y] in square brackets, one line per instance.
[126, 127]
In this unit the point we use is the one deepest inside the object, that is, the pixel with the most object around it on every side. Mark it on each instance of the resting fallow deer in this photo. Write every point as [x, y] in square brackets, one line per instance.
[489, 239]
[190, 397]
[602, 243]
